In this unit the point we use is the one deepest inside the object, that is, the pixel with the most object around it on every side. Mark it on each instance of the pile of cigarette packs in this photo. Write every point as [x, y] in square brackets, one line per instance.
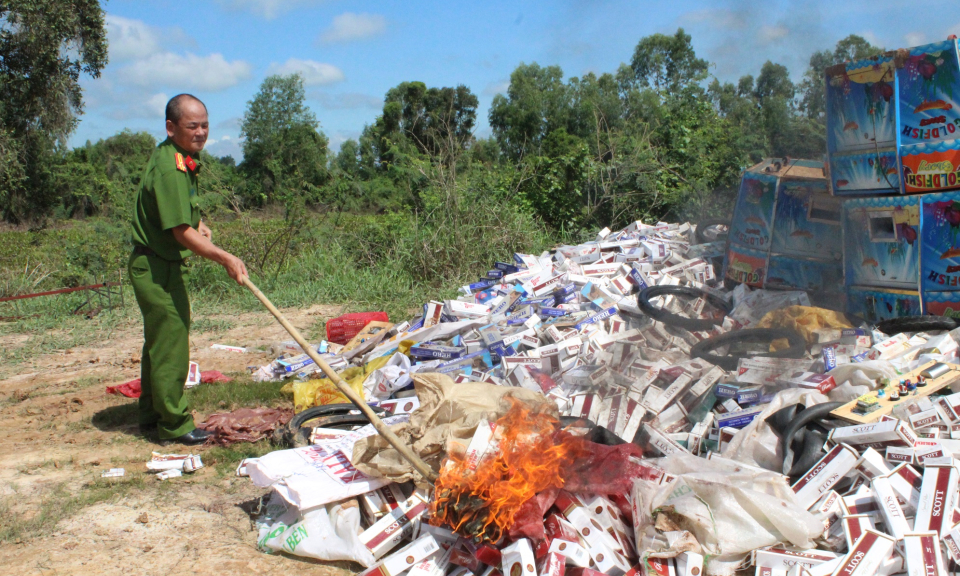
[567, 324]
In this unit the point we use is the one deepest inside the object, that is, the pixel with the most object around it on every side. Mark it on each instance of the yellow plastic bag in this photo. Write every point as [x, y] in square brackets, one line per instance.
[322, 391]
[805, 320]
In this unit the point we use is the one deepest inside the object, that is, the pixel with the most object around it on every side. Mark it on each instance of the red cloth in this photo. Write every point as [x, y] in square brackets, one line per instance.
[131, 389]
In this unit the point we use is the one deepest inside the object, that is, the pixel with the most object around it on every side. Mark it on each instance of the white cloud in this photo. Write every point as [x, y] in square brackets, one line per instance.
[150, 107]
[494, 88]
[912, 39]
[225, 146]
[130, 39]
[268, 9]
[346, 100]
[186, 72]
[134, 39]
[769, 34]
[314, 73]
[350, 26]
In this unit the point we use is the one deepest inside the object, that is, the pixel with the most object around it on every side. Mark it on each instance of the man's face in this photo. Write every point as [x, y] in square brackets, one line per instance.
[190, 132]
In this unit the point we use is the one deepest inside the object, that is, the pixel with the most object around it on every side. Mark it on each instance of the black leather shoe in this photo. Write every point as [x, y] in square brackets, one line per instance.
[192, 438]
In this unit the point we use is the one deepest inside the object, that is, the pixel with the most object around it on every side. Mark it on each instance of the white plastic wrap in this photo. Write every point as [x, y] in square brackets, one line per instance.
[389, 378]
[329, 532]
[757, 444]
[730, 510]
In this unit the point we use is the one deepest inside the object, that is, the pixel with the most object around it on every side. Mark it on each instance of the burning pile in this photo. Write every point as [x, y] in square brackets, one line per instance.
[480, 493]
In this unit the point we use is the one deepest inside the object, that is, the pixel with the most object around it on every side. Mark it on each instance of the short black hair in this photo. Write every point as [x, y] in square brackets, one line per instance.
[174, 109]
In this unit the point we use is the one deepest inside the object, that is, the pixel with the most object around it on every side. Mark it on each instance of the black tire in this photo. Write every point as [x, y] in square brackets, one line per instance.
[705, 237]
[916, 324]
[798, 345]
[338, 416]
[671, 319]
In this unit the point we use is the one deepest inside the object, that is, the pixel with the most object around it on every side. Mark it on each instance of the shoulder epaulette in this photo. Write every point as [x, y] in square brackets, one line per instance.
[181, 164]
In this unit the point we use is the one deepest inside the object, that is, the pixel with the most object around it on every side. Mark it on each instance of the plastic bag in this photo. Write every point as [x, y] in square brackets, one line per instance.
[728, 509]
[328, 532]
[384, 381]
[323, 391]
[757, 444]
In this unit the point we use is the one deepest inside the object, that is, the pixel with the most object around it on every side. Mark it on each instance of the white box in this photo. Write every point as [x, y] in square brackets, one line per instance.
[518, 559]
[922, 550]
[894, 518]
[826, 473]
[395, 526]
[938, 496]
[405, 558]
[876, 435]
[866, 555]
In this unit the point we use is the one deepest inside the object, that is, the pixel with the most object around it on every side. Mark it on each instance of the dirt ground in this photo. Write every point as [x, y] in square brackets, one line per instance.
[60, 431]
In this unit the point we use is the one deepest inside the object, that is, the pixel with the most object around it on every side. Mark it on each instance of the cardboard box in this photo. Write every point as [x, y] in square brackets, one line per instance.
[866, 555]
[405, 558]
[938, 497]
[825, 474]
[387, 532]
[922, 551]
[518, 559]
[877, 435]
[894, 519]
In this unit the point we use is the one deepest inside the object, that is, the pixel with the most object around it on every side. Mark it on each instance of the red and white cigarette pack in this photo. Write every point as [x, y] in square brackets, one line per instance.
[822, 383]
[835, 464]
[900, 454]
[854, 525]
[951, 541]
[405, 558]
[894, 518]
[479, 444]
[518, 559]
[866, 556]
[658, 567]
[689, 564]
[877, 435]
[938, 496]
[872, 464]
[783, 559]
[573, 552]
[553, 564]
[922, 550]
[395, 526]
[602, 547]
[906, 483]
[376, 503]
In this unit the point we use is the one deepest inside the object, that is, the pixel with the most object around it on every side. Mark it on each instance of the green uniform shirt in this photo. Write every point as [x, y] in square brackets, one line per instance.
[167, 199]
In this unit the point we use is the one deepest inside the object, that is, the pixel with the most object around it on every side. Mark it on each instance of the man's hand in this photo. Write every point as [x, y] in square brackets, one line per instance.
[205, 231]
[234, 267]
[195, 241]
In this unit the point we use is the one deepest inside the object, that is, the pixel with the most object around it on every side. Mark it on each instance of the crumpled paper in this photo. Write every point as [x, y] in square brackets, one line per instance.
[448, 413]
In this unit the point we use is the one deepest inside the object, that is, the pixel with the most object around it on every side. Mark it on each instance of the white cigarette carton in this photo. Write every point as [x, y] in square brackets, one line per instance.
[951, 541]
[876, 435]
[836, 464]
[894, 518]
[872, 464]
[854, 525]
[387, 532]
[938, 496]
[866, 555]
[518, 559]
[405, 558]
[573, 552]
[906, 483]
[922, 550]
[689, 564]
[782, 558]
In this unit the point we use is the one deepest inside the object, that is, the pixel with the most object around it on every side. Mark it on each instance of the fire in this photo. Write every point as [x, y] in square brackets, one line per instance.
[532, 454]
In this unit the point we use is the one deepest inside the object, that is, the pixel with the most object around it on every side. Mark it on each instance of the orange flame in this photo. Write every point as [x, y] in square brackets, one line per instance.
[533, 452]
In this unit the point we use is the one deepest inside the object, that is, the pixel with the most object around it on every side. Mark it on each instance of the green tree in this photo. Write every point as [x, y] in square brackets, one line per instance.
[45, 46]
[813, 87]
[537, 103]
[284, 152]
[667, 64]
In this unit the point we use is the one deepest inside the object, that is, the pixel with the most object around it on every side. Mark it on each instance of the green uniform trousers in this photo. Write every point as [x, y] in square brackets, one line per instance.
[162, 296]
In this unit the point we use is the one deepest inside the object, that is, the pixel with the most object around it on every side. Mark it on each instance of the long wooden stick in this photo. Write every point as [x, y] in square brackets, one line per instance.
[345, 388]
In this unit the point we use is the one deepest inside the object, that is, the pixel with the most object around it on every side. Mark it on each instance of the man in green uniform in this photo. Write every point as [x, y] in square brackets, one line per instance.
[166, 230]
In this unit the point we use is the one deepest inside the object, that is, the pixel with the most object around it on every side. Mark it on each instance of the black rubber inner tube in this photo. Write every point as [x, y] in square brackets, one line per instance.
[805, 417]
[916, 324]
[703, 349]
[671, 319]
[705, 235]
[328, 416]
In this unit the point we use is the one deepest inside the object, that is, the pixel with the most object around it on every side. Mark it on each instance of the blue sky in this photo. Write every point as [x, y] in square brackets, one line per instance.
[351, 53]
